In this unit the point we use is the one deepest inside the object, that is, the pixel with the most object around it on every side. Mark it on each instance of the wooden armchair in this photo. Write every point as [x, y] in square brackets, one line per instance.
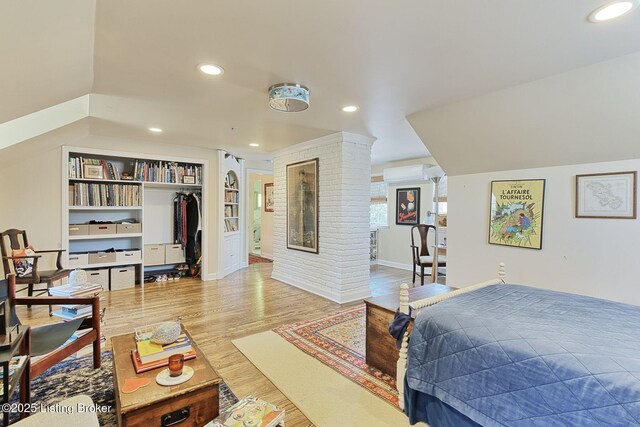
[13, 239]
[48, 341]
[421, 256]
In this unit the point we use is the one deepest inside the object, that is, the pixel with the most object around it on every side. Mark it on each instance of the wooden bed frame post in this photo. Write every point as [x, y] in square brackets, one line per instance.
[417, 305]
[401, 366]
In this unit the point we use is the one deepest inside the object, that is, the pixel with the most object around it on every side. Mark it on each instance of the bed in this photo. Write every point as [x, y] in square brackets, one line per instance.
[498, 354]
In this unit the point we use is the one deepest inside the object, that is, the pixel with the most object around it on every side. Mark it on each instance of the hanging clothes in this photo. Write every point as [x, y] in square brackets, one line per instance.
[187, 224]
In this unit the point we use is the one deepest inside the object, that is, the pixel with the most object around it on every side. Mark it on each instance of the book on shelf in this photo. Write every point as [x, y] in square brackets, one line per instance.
[163, 171]
[140, 367]
[151, 352]
[93, 194]
[110, 170]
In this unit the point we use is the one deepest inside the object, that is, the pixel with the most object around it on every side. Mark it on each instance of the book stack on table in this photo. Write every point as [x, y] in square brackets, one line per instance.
[74, 311]
[149, 355]
[69, 312]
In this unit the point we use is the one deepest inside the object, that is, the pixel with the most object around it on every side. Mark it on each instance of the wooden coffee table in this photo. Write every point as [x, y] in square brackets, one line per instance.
[196, 401]
[381, 349]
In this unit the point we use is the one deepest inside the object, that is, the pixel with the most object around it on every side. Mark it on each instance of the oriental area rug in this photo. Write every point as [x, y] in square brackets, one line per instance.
[338, 341]
[319, 365]
[77, 376]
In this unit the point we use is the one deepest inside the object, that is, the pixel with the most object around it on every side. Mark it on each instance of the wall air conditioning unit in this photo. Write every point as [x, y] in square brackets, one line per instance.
[411, 174]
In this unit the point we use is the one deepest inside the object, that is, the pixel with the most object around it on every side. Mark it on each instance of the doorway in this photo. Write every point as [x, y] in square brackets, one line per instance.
[260, 226]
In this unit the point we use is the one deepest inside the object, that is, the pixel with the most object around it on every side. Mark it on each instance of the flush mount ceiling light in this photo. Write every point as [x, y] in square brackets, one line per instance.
[253, 144]
[288, 97]
[612, 10]
[350, 108]
[155, 130]
[211, 69]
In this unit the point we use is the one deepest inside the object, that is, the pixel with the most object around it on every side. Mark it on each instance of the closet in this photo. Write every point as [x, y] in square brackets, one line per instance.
[120, 218]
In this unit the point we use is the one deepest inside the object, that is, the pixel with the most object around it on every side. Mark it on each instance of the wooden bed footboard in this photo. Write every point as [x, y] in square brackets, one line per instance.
[426, 302]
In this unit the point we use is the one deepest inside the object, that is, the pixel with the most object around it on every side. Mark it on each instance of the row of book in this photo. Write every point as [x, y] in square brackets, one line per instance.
[230, 225]
[231, 196]
[76, 168]
[90, 194]
[149, 355]
[230, 211]
[157, 171]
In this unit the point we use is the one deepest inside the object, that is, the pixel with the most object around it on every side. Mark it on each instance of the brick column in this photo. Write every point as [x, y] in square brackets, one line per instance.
[340, 271]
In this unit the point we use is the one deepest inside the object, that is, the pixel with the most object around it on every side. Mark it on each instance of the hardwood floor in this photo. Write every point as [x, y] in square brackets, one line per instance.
[216, 312]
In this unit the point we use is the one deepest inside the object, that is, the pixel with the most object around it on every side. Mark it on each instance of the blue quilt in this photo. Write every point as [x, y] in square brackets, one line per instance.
[520, 356]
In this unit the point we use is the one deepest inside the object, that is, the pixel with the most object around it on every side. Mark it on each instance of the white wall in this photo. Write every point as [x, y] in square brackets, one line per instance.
[596, 257]
[340, 271]
[30, 179]
[394, 241]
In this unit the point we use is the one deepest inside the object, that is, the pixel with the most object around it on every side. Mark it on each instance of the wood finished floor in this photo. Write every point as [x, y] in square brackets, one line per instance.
[217, 312]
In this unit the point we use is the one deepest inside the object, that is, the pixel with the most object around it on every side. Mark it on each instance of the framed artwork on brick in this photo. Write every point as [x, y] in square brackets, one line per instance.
[408, 206]
[302, 206]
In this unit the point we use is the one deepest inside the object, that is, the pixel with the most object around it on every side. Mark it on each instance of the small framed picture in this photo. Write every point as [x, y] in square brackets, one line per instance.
[606, 195]
[93, 172]
[268, 197]
[188, 179]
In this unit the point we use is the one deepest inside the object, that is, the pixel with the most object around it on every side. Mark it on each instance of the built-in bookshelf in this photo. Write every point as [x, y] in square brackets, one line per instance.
[231, 202]
[129, 194]
[232, 253]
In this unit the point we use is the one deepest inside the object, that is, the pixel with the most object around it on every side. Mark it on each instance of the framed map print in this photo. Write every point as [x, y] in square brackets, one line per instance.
[606, 195]
[517, 209]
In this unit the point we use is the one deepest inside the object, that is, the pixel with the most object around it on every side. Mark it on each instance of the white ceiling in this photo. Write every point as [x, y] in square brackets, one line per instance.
[390, 58]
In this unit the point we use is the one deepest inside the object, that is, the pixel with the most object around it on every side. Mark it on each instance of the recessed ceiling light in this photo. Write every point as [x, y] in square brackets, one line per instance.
[155, 130]
[350, 109]
[612, 10]
[212, 70]
[254, 145]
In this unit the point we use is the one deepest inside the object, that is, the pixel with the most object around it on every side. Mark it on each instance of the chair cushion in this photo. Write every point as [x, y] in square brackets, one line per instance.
[428, 259]
[23, 266]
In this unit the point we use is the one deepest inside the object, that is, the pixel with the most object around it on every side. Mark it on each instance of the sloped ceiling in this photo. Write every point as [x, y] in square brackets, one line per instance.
[392, 60]
[46, 51]
[586, 115]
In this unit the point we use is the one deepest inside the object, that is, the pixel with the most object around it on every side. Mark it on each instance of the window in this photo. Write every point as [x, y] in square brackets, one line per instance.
[379, 212]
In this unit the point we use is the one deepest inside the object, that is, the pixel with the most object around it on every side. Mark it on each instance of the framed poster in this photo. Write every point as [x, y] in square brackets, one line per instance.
[268, 197]
[517, 213]
[302, 206]
[408, 206]
[606, 195]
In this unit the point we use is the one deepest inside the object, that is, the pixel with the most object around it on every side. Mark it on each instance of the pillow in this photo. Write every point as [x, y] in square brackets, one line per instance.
[23, 266]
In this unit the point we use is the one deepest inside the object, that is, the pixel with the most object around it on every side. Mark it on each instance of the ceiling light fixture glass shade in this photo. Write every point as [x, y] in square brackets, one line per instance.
[612, 10]
[288, 97]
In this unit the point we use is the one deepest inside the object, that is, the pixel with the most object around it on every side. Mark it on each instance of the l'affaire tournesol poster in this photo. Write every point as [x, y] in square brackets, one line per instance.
[516, 213]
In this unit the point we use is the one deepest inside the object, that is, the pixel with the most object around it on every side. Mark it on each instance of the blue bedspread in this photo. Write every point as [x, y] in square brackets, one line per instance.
[521, 356]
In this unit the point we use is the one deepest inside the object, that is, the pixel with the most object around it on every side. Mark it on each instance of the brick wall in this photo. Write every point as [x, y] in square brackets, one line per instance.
[340, 271]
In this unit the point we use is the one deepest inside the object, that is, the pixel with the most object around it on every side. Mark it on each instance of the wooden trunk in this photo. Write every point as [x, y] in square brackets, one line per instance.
[381, 351]
[195, 401]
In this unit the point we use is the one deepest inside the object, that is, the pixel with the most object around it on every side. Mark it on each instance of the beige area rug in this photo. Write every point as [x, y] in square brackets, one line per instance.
[326, 397]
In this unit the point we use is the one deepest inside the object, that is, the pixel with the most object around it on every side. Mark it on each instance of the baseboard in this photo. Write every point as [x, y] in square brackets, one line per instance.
[350, 297]
[408, 267]
[210, 276]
